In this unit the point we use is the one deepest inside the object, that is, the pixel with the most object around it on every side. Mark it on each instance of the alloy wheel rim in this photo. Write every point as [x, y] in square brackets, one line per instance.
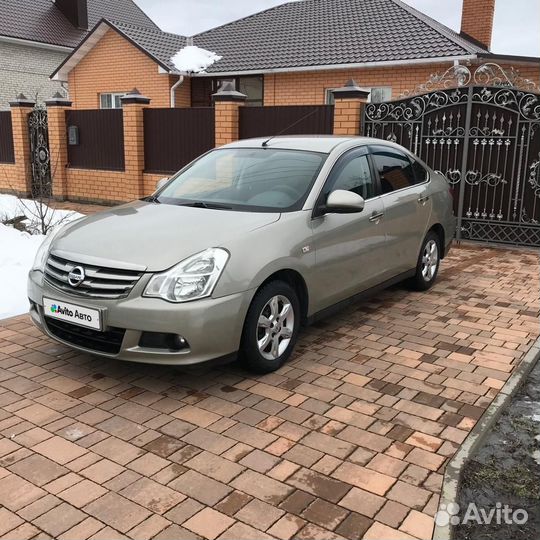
[275, 327]
[430, 260]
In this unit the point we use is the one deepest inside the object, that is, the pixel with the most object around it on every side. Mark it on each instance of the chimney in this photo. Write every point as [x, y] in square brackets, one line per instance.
[477, 21]
[75, 11]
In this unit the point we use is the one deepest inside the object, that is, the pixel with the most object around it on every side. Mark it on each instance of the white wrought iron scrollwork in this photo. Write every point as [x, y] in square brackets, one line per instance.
[534, 176]
[527, 104]
[39, 149]
[412, 109]
[453, 176]
[457, 75]
[491, 74]
[488, 74]
[475, 178]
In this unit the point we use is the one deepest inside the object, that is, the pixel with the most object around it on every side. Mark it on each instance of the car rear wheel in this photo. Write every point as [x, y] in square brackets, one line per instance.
[428, 263]
[271, 327]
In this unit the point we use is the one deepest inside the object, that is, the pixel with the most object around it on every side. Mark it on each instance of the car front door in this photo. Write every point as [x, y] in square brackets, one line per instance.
[407, 206]
[349, 248]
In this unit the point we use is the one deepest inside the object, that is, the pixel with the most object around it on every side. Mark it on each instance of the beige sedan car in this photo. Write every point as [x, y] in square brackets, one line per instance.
[240, 248]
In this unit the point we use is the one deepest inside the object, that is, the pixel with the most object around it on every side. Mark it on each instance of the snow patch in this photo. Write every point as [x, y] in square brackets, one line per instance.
[18, 250]
[11, 207]
[193, 59]
[17, 253]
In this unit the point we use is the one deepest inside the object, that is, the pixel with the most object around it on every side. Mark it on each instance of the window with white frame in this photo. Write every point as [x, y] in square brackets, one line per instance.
[377, 94]
[111, 100]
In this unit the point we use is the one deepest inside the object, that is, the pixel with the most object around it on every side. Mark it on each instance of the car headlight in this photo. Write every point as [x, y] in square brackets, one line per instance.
[193, 278]
[43, 250]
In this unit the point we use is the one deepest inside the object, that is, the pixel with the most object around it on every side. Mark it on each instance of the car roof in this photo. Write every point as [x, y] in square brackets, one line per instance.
[314, 143]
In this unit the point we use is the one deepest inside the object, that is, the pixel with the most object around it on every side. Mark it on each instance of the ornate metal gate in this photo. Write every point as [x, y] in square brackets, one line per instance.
[485, 138]
[39, 153]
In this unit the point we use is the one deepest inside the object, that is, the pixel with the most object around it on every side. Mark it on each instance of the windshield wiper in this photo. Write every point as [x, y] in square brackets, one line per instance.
[151, 199]
[211, 206]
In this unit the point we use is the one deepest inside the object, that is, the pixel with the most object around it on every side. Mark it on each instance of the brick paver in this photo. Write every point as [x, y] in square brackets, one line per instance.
[348, 440]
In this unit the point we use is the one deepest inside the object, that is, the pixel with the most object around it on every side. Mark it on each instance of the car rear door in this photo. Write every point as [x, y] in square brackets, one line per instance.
[349, 248]
[407, 205]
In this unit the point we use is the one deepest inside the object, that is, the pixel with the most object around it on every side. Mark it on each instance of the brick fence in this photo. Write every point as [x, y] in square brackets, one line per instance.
[136, 180]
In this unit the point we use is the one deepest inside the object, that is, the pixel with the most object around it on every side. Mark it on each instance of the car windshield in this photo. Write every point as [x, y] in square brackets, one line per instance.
[249, 179]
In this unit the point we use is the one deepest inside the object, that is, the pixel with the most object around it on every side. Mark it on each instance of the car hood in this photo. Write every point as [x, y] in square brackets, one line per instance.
[152, 237]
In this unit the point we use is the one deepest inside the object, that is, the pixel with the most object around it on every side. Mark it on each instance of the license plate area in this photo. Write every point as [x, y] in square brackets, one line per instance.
[73, 313]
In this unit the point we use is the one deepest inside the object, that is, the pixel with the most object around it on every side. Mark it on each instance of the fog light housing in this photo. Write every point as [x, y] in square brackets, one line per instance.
[162, 340]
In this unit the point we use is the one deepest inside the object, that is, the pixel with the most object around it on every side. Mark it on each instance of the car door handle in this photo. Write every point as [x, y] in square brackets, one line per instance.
[375, 217]
[423, 200]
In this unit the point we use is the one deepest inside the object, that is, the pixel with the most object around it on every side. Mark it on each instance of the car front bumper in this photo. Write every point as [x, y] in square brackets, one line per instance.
[211, 327]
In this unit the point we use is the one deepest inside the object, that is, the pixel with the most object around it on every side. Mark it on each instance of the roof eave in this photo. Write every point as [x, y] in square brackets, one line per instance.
[337, 67]
[516, 59]
[38, 44]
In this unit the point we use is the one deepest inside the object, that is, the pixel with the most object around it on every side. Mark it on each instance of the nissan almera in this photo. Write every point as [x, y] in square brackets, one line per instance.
[230, 256]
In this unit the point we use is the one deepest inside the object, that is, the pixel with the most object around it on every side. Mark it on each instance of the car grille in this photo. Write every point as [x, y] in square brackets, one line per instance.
[99, 282]
[107, 342]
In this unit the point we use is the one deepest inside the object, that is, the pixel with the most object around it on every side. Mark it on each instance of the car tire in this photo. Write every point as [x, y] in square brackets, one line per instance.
[428, 263]
[271, 327]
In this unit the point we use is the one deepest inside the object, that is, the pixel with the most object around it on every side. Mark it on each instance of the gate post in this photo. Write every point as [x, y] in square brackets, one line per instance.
[227, 103]
[349, 103]
[133, 104]
[464, 161]
[57, 126]
[20, 109]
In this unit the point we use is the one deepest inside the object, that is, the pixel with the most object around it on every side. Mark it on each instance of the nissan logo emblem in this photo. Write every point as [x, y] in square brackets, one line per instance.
[76, 276]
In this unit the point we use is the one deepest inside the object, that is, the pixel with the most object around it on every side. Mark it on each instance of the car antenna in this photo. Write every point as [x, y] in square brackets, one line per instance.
[265, 143]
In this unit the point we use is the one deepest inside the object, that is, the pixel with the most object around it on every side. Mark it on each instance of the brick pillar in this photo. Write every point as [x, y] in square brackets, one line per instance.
[133, 104]
[227, 104]
[349, 104]
[58, 143]
[20, 109]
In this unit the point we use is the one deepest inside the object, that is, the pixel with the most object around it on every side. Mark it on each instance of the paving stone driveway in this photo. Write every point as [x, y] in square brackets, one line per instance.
[348, 440]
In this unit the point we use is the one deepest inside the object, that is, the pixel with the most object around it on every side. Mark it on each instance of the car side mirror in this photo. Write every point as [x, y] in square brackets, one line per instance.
[344, 202]
[161, 183]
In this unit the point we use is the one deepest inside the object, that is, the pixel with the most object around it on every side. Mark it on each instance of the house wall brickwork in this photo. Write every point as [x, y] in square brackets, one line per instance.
[115, 65]
[310, 87]
[26, 69]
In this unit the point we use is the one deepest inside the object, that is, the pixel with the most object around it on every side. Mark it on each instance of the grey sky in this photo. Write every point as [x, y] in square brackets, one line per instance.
[517, 22]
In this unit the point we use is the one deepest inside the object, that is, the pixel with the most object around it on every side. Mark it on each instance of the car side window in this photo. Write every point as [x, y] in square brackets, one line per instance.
[395, 169]
[352, 173]
[420, 173]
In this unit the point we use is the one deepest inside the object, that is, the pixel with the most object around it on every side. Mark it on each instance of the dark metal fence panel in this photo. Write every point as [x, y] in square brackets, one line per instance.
[486, 141]
[101, 139]
[175, 137]
[7, 154]
[286, 120]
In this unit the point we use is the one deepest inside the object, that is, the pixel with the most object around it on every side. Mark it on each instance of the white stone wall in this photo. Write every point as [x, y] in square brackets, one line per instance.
[26, 69]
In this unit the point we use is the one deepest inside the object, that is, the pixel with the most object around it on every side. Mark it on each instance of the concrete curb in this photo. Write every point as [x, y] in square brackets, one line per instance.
[478, 434]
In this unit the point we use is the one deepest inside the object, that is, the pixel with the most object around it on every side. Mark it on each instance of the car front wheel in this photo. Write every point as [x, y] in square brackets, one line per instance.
[271, 327]
[428, 263]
